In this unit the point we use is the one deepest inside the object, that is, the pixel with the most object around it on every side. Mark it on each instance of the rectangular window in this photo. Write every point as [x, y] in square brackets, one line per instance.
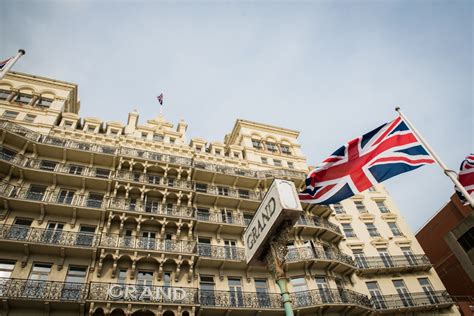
[204, 247]
[74, 169]
[244, 193]
[7, 154]
[20, 229]
[230, 250]
[144, 135]
[68, 124]
[386, 258]
[4, 94]
[300, 290]
[23, 98]
[373, 232]
[95, 200]
[223, 191]
[256, 144]
[91, 128]
[65, 196]
[122, 276]
[10, 115]
[40, 271]
[201, 187]
[247, 219]
[102, 173]
[53, 233]
[36, 192]
[227, 216]
[338, 208]
[394, 228]
[236, 155]
[114, 132]
[323, 289]
[348, 230]
[167, 279]
[144, 278]
[30, 118]
[172, 140]
[85, 236]
[360, 206]
[235, 289]
[277, 162]
[291, 165]
[403, 293]
[372, 189]
[411, 259]
[428, 289]
[206, 293]
[48, 165]
[360, 259]
[271, 147]
[467, 240]
[376, 295]
[158, 137]
[217, 151]
[6, 269]
[285, 149]
[264, 160]
[44, 102]
[382, 207]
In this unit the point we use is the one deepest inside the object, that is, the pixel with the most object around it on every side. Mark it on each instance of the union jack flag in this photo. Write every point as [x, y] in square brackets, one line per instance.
[466, 177]
[4, 62]
[385, 152]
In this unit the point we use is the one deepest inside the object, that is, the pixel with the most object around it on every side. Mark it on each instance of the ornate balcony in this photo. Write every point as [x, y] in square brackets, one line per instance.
[239, 300]
[281, 173]
[147, 244]
[217, 217]
[318, 226]
[114, 292]
[21, 289]
[50, 237]
[325, 259]
[227, 192]
[335, 300]
[391, 264]
[151, 208]
[149, 155]
[153, 180]
[221, 252]
[224, 169]
[412, 302]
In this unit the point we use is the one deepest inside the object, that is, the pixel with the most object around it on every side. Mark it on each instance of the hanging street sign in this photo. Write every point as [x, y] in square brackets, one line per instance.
[280, 204]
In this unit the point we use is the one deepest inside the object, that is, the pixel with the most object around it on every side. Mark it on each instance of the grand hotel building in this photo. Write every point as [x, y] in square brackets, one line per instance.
[105, 218]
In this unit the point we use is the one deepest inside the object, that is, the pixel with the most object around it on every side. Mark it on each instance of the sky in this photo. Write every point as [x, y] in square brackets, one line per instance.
[332, 70]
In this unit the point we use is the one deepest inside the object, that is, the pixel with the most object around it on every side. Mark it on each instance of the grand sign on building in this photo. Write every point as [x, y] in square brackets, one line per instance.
[280, 204]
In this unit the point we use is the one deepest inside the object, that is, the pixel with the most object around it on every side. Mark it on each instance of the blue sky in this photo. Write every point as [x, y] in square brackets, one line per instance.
[330, 69]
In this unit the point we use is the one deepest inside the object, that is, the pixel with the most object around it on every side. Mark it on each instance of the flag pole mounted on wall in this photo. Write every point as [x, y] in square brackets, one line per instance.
[448, 172]
[10, 62]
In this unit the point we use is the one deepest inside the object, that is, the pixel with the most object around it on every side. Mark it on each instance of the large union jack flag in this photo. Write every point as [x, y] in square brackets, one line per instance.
[466, 177]
[385, 152]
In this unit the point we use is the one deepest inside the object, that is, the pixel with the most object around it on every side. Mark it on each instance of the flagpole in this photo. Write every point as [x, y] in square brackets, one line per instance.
[448, 172]
[10, 63]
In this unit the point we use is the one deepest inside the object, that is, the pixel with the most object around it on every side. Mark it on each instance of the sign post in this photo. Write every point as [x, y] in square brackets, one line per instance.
[268, 233]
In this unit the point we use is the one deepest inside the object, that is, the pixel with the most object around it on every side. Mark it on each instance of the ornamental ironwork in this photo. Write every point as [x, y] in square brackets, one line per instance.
[48, 236]
[148, 243]
[43, 290]
[326, 296]
[392, 262]
[410, 300]
[221, 252]
[306, 253]
[239, 299]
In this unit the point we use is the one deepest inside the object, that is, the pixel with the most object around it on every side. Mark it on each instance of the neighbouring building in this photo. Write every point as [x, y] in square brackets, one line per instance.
[448, 240]
[105, 218]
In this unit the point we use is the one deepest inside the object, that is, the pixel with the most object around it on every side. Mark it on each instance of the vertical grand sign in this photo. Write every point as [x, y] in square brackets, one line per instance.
[280, 204]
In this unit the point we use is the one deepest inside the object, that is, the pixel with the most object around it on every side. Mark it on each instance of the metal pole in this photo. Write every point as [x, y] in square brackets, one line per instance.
[448, 172]
[10, 64]
[275, 262]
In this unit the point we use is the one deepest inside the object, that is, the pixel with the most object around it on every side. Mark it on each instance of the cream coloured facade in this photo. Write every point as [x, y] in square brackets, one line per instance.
[111, 218]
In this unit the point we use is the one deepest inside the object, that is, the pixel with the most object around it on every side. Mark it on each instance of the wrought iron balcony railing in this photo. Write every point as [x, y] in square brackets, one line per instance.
[224, 169]
[279, 173]
[126, 151]
[308, 253]
[239, 299]
[221, 252]
[146, 243]
[392, 262]
[411, 300]
[153, 179]
[153, 207]
[143, 293]
[216, 217]
[226, 191]
[318, 222]
[43, 290]
[326, 296]
[48, 236]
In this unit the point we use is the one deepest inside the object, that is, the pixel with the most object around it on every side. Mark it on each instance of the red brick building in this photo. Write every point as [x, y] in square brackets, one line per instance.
[448, 241]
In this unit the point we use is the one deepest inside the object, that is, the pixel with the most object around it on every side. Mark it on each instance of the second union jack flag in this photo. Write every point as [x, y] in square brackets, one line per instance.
[466, 177]
[385, 152]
